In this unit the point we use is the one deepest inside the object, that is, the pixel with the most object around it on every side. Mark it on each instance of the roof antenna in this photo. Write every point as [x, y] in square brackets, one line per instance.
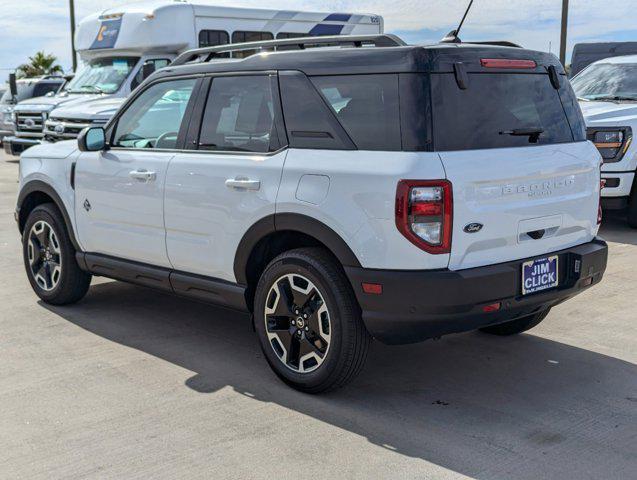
[452, 36]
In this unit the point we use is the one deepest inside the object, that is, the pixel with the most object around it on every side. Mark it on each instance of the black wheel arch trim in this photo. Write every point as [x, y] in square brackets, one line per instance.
[293, 222]
[35, 186]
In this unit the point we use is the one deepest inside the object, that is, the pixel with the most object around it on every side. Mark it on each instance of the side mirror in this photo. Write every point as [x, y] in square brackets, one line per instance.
[148, 68]
[92, 139]
[13, 86]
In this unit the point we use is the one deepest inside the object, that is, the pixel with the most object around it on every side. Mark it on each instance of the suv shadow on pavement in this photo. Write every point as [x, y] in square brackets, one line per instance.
[523, 407]
[615, 228]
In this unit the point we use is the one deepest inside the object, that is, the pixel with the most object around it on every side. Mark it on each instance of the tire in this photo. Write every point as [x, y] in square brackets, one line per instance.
[332, 345]
[49, 258]
[632, 208]
[517, 326]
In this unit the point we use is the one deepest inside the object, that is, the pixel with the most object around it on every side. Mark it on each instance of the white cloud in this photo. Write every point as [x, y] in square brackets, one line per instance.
[31, 25]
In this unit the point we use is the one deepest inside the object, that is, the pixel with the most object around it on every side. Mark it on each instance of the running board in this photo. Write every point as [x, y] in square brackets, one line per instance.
[198, 287]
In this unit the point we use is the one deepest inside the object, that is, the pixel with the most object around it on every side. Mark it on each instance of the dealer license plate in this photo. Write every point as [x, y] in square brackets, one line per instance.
[540, 274]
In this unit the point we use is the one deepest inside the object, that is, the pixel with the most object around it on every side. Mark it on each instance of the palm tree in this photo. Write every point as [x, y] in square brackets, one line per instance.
[39, 64]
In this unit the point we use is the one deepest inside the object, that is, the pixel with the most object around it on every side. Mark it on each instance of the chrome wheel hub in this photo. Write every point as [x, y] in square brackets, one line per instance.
[297, 323]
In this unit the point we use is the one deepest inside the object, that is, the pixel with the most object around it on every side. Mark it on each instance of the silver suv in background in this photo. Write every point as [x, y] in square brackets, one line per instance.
[23, 89]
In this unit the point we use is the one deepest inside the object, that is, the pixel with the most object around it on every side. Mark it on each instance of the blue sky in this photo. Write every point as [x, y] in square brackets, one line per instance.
[31, 25]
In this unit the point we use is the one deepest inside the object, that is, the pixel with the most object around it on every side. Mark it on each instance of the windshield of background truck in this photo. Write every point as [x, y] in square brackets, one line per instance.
[24, 91]
[102, 75]
[607, 81]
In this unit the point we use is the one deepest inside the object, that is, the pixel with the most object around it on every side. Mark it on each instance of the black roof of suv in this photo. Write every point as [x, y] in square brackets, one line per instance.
[439, 97]
[400, 58]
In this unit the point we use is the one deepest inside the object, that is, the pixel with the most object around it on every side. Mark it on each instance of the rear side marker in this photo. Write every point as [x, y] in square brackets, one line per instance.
[372, 288]
[493, 307]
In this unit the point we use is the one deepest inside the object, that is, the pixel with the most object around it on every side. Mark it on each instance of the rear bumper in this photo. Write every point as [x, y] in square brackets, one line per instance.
[17, 145]
[417, 305]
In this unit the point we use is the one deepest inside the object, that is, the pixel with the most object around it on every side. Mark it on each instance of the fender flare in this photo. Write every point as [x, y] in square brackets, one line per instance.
[40, 186]
[294, 222]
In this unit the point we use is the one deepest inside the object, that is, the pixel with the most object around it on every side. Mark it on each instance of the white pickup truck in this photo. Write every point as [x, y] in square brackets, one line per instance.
[607, 92]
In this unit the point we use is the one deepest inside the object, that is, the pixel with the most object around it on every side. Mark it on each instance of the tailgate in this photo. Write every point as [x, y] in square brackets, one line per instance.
[525, 180]
[530, 201]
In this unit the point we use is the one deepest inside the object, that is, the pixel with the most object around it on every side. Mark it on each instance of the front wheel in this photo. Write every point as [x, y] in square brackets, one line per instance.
[308, 321]
[517, 326]
[49, 258]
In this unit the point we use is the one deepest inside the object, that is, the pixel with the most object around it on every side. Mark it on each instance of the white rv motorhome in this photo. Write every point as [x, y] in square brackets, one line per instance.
[119, 47]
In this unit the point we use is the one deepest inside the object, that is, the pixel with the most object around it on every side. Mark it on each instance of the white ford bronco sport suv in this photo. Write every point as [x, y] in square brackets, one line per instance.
[365, 190]
[607, 91]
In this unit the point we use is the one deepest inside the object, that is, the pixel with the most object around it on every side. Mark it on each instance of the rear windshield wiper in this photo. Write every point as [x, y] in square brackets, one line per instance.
[532, 132]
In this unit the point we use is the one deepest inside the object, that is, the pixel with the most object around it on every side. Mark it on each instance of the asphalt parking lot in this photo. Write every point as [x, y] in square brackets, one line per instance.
[131, 383]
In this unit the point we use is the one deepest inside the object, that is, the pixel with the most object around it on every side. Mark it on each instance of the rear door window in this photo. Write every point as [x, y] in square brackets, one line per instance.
[497, 111]
[239, 115]
[366, 106]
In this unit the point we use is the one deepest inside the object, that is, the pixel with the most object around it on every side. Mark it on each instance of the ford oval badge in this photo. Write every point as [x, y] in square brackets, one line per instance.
[473, 227]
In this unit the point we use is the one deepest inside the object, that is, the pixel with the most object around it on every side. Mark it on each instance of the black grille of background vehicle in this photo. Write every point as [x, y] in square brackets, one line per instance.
[72, 128]
[29, 123]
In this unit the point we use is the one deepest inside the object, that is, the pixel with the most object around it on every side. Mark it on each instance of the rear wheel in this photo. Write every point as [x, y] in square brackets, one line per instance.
[308, 321]
[517, 326]
[49, 258]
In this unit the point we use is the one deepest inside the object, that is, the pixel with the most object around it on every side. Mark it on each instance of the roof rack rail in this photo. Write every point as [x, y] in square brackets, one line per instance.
[200, 55]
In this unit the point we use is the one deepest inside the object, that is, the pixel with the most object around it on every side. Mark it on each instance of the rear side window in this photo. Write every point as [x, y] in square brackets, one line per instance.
[366, 106]
[497, 111]
[309, 121]
[239, 115]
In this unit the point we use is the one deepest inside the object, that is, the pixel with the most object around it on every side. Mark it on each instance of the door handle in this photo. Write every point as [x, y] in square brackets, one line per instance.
[243, 183]
[143, 175]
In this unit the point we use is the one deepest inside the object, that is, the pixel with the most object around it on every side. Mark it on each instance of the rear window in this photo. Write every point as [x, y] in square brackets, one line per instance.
[498, 111]
[366, 106]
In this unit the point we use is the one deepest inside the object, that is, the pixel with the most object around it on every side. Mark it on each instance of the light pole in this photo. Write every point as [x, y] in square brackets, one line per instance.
[563, 33]
[72, 9]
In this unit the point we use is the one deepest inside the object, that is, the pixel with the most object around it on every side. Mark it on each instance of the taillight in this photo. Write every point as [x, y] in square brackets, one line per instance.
[507, 63]
[424, 213]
